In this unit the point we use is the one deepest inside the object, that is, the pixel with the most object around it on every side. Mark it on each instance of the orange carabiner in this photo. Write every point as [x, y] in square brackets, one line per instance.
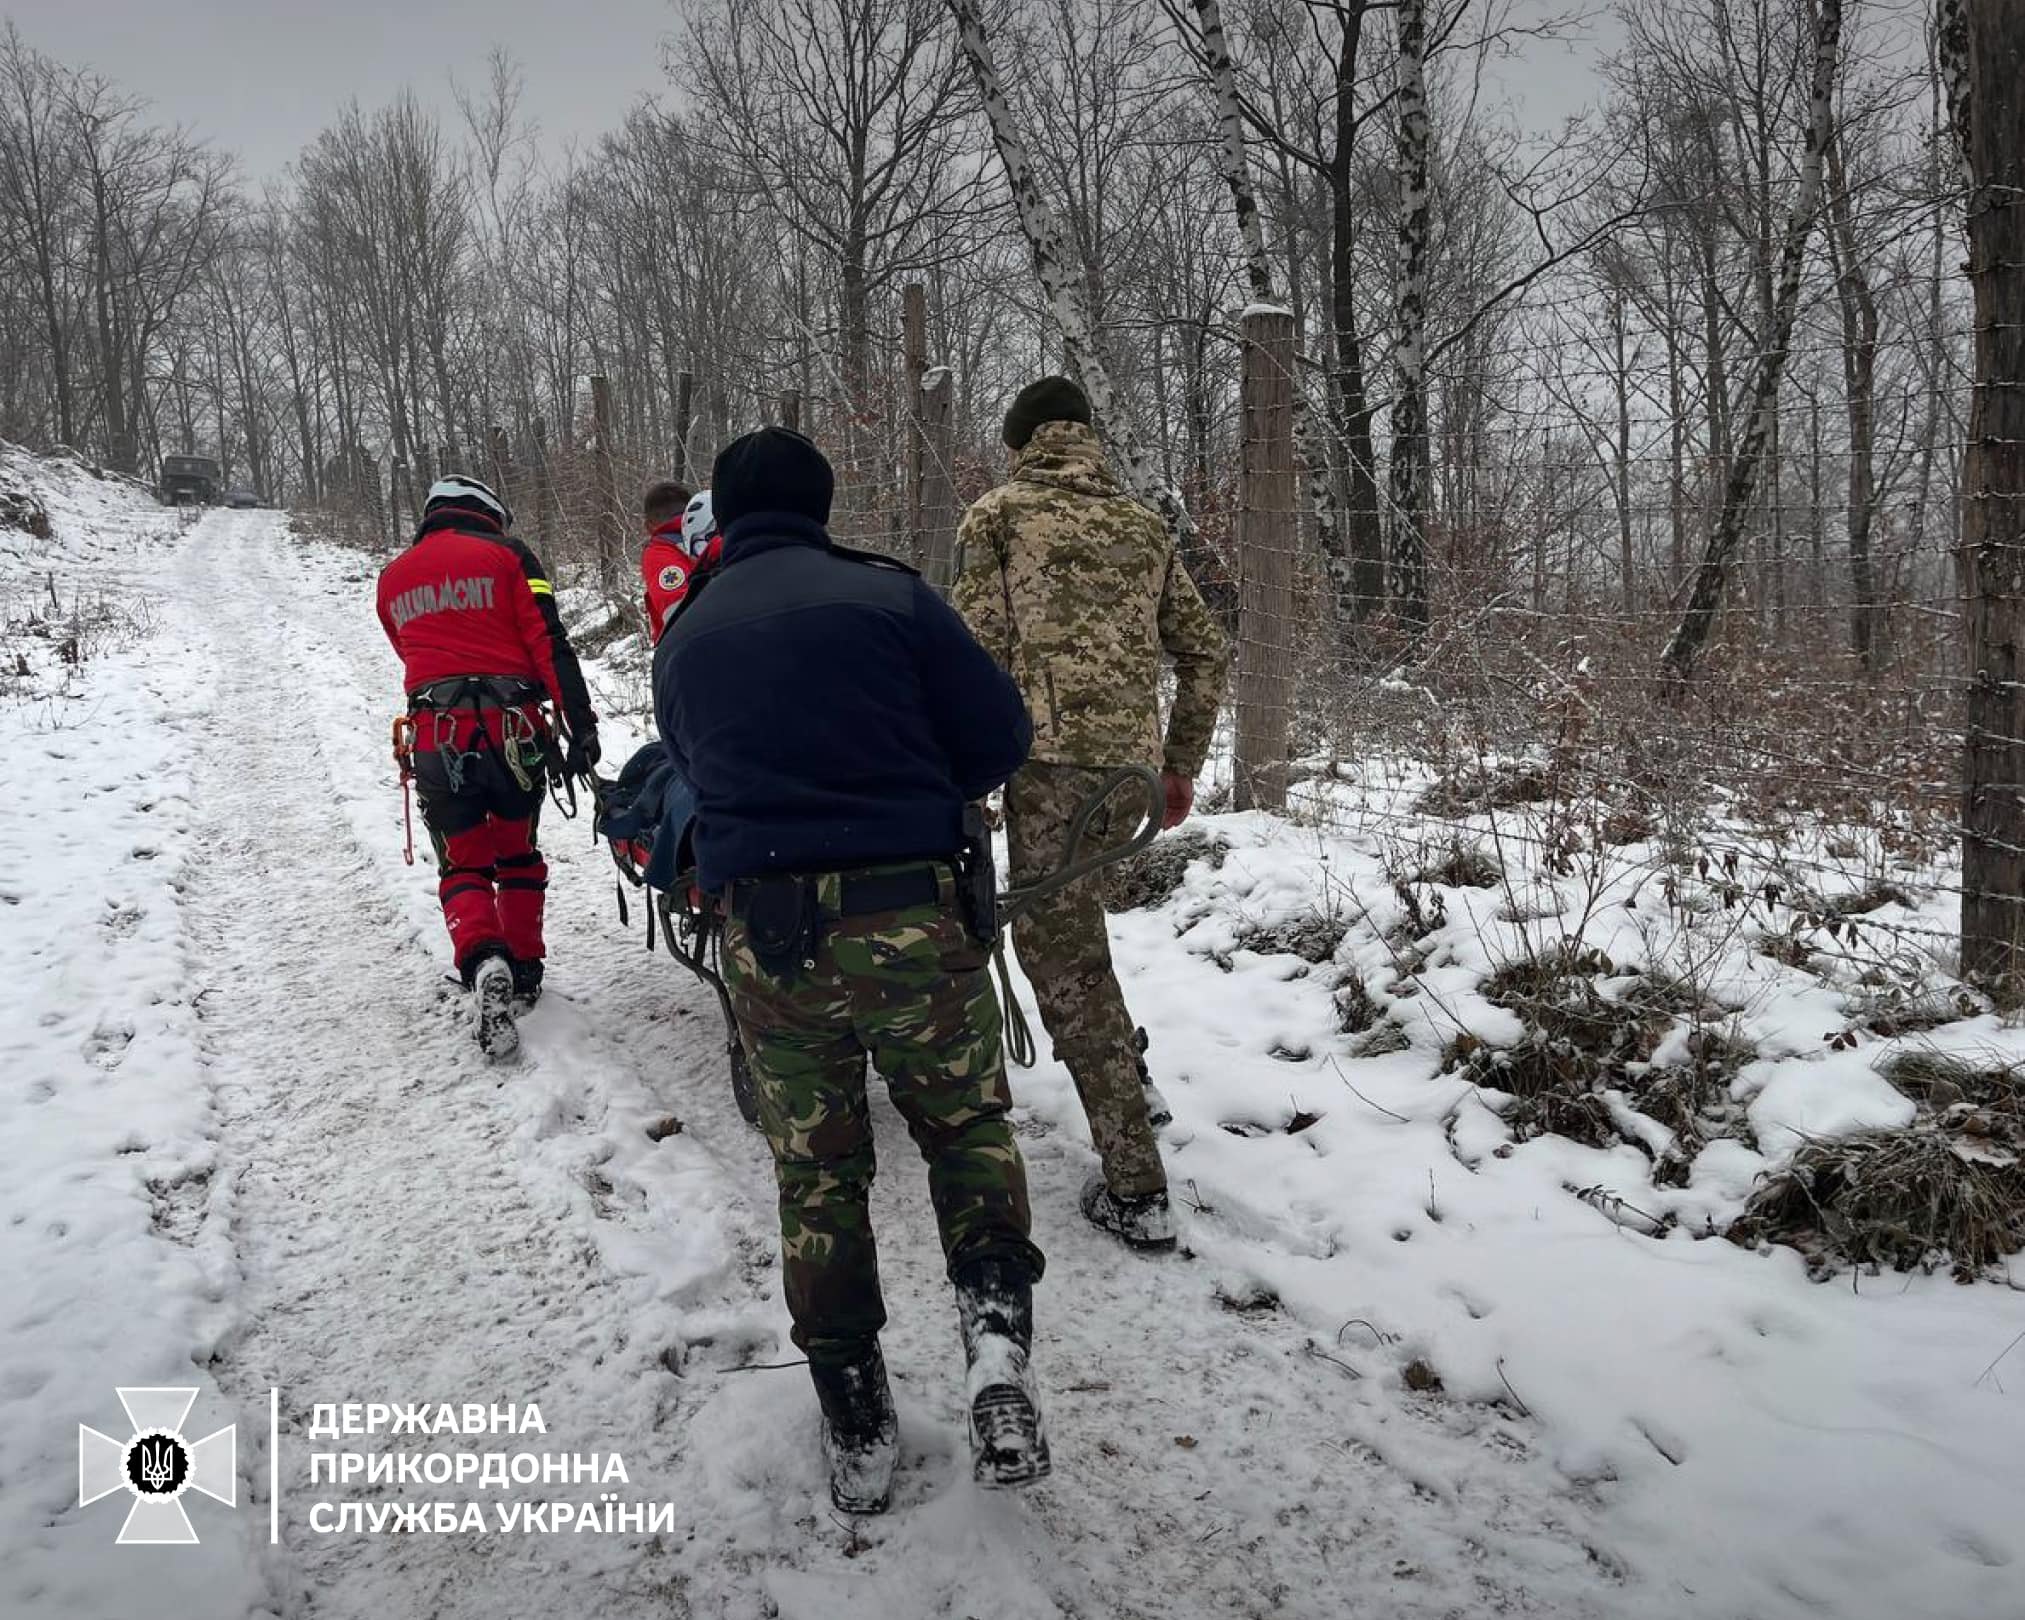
[404, 757]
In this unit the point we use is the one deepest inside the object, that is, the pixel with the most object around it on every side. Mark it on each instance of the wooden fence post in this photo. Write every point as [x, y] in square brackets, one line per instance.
[914, 365]
[1267, 534]
[501, 450]
[604, 494]
[1993, 501]
[938, 477]
[685, 416]
[544, 486]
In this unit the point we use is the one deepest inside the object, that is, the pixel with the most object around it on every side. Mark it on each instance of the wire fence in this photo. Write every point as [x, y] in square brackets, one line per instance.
[1817, 753]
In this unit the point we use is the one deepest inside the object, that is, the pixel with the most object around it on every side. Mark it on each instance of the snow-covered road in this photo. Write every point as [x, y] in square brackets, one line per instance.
[412, 1225]
[256, 1150]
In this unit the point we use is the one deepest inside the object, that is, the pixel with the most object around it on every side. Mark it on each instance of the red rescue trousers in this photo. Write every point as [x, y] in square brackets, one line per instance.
[483, 822]
[493, 885]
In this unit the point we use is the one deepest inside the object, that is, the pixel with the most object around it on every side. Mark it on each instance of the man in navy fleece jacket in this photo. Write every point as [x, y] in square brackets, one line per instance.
[835, 715]
[830, 708]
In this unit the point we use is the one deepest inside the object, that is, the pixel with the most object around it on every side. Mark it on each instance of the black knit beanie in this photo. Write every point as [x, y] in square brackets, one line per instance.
[772, 470]
[1052, 399]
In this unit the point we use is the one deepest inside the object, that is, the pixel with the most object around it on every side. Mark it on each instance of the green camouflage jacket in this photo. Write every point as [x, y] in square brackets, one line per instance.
[1075, 588]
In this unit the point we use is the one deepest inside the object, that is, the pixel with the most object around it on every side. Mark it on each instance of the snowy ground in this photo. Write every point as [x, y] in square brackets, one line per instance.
[254, 1148]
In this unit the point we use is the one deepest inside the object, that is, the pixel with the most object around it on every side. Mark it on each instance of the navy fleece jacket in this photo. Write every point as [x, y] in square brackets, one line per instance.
[831, 712]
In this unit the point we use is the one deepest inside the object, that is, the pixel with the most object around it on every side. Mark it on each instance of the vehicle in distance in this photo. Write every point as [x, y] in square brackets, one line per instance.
[189, 480]
[242, 495]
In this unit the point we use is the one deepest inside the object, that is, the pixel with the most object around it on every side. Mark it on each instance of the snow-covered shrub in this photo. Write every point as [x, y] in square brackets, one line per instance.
[1153, 875]
[1312, 935]
[20, 509]
[1460, 865]
[1914, 1198]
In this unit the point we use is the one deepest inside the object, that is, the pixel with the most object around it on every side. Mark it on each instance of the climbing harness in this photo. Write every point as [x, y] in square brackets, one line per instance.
[524, 745]
[404, 758]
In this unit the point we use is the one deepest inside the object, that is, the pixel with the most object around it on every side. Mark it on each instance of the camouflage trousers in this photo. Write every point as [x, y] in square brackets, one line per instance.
[910, 990]
[1064, 944]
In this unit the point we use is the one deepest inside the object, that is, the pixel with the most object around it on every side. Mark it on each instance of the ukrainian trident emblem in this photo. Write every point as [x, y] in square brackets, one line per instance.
[157, 1465]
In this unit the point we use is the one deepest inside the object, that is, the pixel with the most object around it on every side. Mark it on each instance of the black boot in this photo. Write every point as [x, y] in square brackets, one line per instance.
[995, 1308]
[1144, 1222]
[527, 980]
[861, 1434]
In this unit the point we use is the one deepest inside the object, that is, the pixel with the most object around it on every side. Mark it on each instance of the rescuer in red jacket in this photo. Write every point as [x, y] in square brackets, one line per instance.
[472, 614]
[664, 562]
[682, 541]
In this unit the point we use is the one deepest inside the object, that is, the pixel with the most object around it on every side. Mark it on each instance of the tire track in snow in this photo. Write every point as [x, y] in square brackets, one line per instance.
[393, 1242]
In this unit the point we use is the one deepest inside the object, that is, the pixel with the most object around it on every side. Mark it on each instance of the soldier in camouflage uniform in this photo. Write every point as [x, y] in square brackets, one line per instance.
[831, 780]
[1076, 589]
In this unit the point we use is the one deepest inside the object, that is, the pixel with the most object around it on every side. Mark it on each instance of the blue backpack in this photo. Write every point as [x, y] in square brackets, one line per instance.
[645, 816]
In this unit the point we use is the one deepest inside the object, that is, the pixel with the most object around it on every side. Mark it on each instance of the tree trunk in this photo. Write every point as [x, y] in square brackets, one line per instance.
[1309, 446]
[1621, 457]
[1993, 507]
[1859, 372]
[938, 485]
[1366, 528]
[1409, 404]
[1712, 579]
[685, 416]
[914, 364]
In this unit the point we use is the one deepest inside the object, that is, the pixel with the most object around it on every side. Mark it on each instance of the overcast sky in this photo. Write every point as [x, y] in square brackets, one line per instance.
[262, 77]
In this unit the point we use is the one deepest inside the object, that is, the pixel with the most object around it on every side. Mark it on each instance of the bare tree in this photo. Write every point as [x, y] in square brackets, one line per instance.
[1677, 663]
[1066, 299]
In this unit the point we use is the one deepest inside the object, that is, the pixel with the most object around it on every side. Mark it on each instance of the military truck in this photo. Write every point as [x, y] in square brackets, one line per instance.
[189, 481]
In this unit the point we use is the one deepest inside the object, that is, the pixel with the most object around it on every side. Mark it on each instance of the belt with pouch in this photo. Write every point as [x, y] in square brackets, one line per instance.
[783, 913]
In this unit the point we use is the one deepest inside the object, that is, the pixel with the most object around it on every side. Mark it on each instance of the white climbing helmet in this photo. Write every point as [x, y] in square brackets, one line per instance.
[455, 489]
[699, 523]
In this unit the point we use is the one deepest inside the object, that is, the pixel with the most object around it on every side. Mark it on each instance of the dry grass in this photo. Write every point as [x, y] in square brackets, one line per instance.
[1915, 1198]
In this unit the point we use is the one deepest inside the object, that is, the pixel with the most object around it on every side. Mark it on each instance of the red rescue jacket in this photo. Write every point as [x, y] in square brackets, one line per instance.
[669, 571]
[467, 599]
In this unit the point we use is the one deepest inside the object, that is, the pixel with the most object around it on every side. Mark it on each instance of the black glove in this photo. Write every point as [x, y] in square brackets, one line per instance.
[582, 754]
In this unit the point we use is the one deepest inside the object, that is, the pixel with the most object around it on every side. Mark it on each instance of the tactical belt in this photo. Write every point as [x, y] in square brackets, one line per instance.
[476, 692]
[859, 894]
[784, 913]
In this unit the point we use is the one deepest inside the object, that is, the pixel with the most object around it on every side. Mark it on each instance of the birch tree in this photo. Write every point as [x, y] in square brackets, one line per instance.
[1066, 299]
[1310, 449]
[1713, 577]
[1409, 359]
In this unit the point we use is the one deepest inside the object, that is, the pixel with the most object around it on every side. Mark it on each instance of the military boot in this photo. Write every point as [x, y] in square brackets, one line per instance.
[1143, 1222]
[1158, 1114]
[861, 1434]
[995, 1309]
